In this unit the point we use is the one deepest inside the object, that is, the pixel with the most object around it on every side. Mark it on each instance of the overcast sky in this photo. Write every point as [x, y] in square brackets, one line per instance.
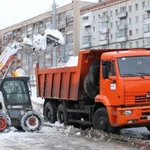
[14, 11]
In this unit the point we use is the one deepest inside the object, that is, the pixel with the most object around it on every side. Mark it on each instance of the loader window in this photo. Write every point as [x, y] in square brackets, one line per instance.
[16, 92]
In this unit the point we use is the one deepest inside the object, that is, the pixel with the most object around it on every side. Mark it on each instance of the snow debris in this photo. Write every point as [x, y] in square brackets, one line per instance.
[73, 61]
[27, 41]
[51, 37]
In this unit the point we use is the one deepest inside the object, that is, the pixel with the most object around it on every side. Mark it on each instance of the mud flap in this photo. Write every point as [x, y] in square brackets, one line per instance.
[5, 122]
[31, 121]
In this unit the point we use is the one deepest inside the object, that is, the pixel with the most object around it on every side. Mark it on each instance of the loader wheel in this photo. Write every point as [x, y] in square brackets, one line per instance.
[62, 114]
[31, 121]
[50, 112]
[101, 121]
[88, 87]
[5, 122]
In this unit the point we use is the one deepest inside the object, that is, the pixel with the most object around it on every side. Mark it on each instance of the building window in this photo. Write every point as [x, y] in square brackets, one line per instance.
[86, 40]
[137, 44]
[111, 24]
[85, 18]
[116, 23]
[116, 11]
[130, 45]
[99, 16]
[123, 9]
[93, 18]
[116, 46]
[69, 38]
[130, 21]
[130, 32]
[136, 7]
[143, 5]
[111, 13]
[137, 31]
[137, 19]
[87, 28]
[111, 36]
[93, 28]
[130, 8]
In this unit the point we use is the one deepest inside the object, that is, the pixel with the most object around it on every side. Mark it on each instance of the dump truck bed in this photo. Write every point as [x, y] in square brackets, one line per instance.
[66, 82]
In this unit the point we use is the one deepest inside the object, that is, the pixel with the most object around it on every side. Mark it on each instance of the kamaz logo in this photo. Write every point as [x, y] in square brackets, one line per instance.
[148, 95]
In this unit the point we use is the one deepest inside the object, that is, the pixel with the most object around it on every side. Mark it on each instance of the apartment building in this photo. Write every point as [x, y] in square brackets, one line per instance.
[68, 22]
[115, 24]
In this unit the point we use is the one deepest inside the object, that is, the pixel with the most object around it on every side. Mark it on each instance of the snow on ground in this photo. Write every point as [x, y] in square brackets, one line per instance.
[57, 137]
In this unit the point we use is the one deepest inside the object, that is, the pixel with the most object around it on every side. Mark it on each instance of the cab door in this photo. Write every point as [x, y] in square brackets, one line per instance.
[109, 87]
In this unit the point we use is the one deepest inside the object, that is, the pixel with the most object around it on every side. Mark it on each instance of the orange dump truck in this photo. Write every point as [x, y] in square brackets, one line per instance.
[108, 89]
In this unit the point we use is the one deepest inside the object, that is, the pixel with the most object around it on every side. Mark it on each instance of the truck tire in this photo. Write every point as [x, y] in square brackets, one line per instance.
[5, 122]
[88, 87]
[94, 73]
[62, 115]
[101, 121]
[50, 112]
[31, 121]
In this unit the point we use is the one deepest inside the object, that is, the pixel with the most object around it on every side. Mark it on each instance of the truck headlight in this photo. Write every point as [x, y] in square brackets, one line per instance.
[127, 112]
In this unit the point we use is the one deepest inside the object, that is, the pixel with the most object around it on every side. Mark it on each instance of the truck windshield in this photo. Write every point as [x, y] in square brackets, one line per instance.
[134, 66]
[16, 92]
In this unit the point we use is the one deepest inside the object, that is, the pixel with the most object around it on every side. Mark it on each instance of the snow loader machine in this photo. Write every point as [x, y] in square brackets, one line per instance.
[15, 104]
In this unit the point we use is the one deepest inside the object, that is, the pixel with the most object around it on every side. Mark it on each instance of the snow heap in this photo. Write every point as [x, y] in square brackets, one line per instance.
[73, 61]
[27, 41]
[54, 37]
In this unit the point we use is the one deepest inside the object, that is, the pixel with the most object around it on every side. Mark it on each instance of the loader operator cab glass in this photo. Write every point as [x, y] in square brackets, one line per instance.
[134, 66]
[16, 92]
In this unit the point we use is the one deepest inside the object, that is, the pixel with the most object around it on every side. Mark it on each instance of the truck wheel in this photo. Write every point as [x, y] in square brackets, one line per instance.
[62, 114]
[101, 121]
[88, 87]
[50, 112]
[31, 121]
[5, 122]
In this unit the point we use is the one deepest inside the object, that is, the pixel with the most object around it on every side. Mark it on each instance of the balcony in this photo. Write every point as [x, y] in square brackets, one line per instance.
[86, 41]
[121, 36]
[147, 8]
[147, 42]
[104, 19]
[122, 14]
[147, 30]
[69, 28]
[122, 39]
[104, 42]
[88, 45]
[61, 26]
[69, 19]
[122, 26]
[103, 29]
[147, 20]
[86, 19]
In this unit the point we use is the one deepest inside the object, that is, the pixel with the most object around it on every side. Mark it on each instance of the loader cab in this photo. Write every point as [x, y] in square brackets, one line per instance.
[15, 92]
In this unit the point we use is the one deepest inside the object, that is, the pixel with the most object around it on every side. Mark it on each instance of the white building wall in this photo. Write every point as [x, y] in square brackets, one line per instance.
[135, 33]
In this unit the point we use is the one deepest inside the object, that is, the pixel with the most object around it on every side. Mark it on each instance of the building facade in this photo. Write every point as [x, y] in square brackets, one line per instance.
[115, 24]
[68, 23]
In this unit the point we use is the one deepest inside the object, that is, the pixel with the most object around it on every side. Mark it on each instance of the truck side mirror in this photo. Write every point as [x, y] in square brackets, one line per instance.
[105, 72]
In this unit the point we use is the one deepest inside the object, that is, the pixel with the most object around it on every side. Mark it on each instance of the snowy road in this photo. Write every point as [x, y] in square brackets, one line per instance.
[53, 138]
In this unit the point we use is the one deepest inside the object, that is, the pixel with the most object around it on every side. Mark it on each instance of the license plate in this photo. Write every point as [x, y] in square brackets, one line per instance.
[148, 117]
